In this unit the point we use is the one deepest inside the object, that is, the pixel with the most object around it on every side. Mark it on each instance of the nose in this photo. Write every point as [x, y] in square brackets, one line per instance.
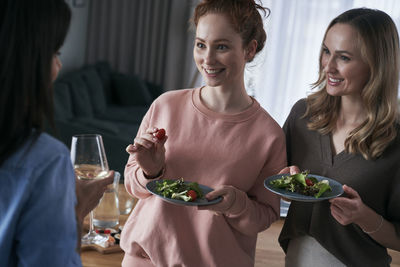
[58, 61]
[209, 56]
[330, 64]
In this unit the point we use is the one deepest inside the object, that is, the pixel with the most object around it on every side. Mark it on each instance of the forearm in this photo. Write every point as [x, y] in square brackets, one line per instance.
[387, 236]
[380, 229]
[135, 180]
[252, 216]
[79, 223]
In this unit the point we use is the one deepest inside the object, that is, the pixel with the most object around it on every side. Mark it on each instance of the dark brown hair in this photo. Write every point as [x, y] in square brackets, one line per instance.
[31, 33]
[243, 14]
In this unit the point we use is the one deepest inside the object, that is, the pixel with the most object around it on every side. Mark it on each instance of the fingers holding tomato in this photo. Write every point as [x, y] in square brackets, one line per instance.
[148, 151]
[159, 134]
[150, 138]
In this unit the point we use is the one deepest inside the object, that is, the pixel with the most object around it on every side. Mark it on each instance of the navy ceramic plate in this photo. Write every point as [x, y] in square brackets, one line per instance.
[337, 189]
[151, 186]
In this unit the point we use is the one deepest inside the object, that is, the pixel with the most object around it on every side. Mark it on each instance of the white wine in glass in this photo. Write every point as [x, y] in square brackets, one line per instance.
[90, 171]
[90, 162]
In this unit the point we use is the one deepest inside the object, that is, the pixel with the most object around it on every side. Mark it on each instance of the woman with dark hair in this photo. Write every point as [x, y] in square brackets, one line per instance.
[218, 136]
[348, 130]
[38, 217]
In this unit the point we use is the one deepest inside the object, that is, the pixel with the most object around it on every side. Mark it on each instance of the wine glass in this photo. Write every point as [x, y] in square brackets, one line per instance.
[90, 162]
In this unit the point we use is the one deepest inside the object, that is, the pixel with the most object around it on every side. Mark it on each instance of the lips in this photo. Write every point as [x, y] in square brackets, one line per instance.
[334, 81]
[213, 72]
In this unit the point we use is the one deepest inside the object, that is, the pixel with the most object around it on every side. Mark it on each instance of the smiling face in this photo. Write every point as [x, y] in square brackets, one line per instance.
[218, 51]
[345, 70]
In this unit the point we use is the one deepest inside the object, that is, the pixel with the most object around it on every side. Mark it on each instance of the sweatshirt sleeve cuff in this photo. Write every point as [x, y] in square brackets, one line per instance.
[143, 180]
[239, 206]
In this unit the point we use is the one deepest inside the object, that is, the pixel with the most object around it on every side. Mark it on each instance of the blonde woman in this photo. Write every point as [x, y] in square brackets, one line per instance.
[348, 130]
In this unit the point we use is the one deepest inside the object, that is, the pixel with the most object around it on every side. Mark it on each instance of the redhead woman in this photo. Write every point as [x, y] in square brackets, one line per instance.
[218, 136]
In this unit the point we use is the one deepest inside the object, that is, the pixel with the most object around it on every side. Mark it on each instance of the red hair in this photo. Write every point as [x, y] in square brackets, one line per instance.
[243, 14]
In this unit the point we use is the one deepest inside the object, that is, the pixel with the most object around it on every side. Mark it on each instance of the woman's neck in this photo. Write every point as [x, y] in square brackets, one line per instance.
[225, 100]
[352, 112]
[351, 115]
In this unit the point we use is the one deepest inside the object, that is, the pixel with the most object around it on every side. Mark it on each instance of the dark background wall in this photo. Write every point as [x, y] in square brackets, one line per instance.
[179, 69]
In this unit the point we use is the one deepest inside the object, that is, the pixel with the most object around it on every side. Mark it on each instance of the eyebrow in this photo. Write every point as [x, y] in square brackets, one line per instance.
[215, 41]
[340, 51]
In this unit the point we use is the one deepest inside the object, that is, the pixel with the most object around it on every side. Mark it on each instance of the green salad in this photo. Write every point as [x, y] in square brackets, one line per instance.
[302, 183]
[178, 189]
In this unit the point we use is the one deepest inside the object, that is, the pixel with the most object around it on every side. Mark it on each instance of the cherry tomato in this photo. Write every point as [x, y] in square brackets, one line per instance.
[309, 182]
[160, 134]
[192, 194]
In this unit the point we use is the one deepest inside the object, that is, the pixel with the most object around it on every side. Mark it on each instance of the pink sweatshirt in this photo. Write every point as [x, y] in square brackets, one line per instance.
[212, 149]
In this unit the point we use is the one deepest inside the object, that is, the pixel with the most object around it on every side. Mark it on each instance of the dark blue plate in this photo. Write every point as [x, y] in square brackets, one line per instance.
[151, 186]
[337, 189]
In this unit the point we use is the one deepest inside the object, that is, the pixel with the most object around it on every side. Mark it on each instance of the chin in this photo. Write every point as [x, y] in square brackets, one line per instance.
[213, 83]
[333, 92]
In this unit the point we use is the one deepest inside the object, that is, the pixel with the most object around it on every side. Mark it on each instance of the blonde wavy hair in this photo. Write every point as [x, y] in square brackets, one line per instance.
[379, 41]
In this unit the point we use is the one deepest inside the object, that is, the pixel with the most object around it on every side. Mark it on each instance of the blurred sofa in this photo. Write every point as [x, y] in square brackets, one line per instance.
[96, 99]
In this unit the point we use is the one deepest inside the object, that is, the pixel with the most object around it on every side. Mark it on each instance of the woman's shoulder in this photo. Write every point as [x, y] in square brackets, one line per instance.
[268, 121]
[298, 110]
[48, 145]
[299, 107]
[396, 140]
[174, 95]
[38, 151]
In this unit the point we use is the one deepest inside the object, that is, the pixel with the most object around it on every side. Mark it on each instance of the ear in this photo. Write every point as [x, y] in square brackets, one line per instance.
[251, 50]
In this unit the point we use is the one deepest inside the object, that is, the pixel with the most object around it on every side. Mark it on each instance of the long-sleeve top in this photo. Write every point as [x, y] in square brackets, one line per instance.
[376, 181]
[212, 149]
[37, 206]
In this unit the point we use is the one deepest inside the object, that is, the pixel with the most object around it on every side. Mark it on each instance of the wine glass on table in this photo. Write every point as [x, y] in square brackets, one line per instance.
[89, 159]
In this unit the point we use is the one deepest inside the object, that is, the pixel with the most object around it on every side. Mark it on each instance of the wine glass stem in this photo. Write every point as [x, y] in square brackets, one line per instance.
[91, 228]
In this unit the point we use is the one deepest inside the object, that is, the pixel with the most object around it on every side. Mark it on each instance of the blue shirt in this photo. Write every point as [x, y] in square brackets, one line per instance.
[37, 206]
